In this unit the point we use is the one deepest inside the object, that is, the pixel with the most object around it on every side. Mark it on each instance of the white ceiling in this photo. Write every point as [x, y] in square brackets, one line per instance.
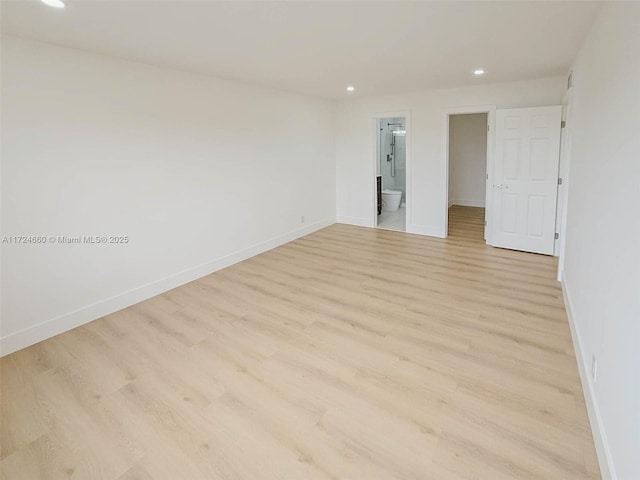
[320, 47]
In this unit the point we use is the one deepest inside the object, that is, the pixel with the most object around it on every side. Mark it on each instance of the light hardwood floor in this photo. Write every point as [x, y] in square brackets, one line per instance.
[351, 353]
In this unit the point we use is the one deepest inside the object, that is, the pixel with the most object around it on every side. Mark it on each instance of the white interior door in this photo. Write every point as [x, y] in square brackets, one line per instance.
[525, 178]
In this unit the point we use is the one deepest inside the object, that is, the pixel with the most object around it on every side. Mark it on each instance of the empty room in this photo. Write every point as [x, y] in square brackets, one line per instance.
[281, 240]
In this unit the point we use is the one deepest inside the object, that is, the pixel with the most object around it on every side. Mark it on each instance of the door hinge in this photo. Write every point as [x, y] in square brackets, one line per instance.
[487, 176]
[485, 223]
[488, 128]
[557, 236]
[559, 181]
[563, 124]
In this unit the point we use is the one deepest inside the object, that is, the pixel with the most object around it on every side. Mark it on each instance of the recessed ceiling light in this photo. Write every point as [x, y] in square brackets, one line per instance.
[54, 3]
[479, 71]
[350, 88]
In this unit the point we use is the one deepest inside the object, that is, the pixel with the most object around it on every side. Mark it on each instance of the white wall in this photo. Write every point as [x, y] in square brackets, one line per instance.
[602, 263]
[197, 172]
[356, 141]
[467, 159]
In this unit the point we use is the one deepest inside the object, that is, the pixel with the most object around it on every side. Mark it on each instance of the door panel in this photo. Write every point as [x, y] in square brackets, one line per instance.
[509, 212]
[511, 158]
[525, 178]
[539, 157]
[535, 216]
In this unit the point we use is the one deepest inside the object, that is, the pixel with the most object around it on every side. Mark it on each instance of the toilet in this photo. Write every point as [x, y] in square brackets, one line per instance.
[391, 200]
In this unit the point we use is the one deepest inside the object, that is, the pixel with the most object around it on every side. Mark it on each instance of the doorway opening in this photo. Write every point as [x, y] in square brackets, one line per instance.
[465, 191]
[468, 139]
[391, 174]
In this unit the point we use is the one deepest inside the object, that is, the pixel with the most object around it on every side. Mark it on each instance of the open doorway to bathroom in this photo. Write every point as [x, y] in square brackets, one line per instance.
[391, 174]
[468, 140]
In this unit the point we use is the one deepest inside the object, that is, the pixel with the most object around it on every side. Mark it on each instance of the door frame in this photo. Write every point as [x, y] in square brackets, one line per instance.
[490, 110]
[376, 117]
[563, 190]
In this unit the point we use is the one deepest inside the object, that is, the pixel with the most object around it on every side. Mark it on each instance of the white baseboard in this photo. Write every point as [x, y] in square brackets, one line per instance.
[357, 221]
[55, 326]
[605, 461]
[467, 203]
[411, 228]
[426, 230]
[450, 202]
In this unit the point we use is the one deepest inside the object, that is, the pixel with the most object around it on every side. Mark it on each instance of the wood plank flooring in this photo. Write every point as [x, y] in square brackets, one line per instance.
[352, 353]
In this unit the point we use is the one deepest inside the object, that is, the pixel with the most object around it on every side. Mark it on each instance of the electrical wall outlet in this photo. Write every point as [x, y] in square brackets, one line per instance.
[594, 368]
